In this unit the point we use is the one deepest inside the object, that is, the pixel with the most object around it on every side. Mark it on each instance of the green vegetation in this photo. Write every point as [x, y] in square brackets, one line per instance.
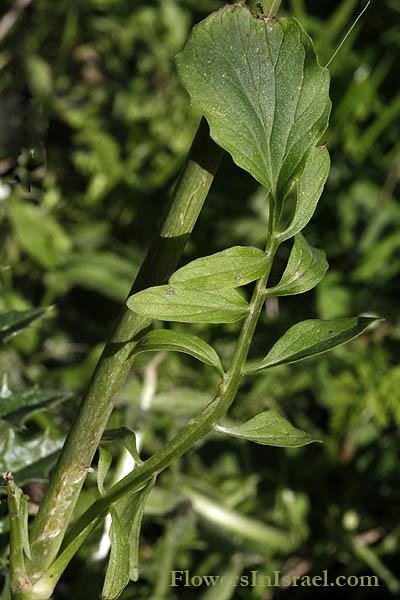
[94, 128]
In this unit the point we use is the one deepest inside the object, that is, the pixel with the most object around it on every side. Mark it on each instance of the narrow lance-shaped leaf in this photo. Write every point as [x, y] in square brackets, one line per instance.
[165, 339]
[173, 303]
[305, 269]
[229, 268]
[15, 321]
[117, 574]
[270, 429]
[310, 338]
[308, 191]
[134, 536]
[259, 84]
[130, 510]
[103, 466]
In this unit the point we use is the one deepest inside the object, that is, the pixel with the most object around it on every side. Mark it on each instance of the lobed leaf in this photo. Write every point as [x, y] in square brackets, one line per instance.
[270, 429]
[166, 339]
[310, 338]
[259, 84]
[15, 321]
[305, 269]
[229, 268]
[170, 303]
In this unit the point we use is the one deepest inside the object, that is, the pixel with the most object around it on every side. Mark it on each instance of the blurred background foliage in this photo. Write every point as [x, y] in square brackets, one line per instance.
[94, 126]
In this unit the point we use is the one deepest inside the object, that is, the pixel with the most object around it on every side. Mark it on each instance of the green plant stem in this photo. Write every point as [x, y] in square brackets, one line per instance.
[195, 430]
[80, 446]
[20, 583]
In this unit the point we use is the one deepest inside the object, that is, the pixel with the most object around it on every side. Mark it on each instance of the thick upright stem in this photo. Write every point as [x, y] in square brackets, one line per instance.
[113, 367]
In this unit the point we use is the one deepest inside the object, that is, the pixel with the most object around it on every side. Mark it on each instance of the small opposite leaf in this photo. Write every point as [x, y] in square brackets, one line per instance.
[117, 575]
[166, 339]
[270, 429]
[310, 338]
[104, 464]
[306, 268]
[14, 321]
[229, 268]
[308, 191]
[169, 303]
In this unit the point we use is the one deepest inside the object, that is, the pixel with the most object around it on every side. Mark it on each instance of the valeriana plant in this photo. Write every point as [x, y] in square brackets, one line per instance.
[257, 81]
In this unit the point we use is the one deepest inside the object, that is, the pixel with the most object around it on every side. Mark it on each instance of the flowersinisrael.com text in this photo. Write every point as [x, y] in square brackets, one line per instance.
[255, 578]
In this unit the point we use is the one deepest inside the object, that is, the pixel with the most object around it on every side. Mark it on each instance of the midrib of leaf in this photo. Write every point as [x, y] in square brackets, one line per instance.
[276, 75]
[240, 88]
[257, 89]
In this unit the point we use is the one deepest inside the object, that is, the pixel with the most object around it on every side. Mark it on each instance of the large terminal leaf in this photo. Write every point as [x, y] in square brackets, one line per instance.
[262, 90]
